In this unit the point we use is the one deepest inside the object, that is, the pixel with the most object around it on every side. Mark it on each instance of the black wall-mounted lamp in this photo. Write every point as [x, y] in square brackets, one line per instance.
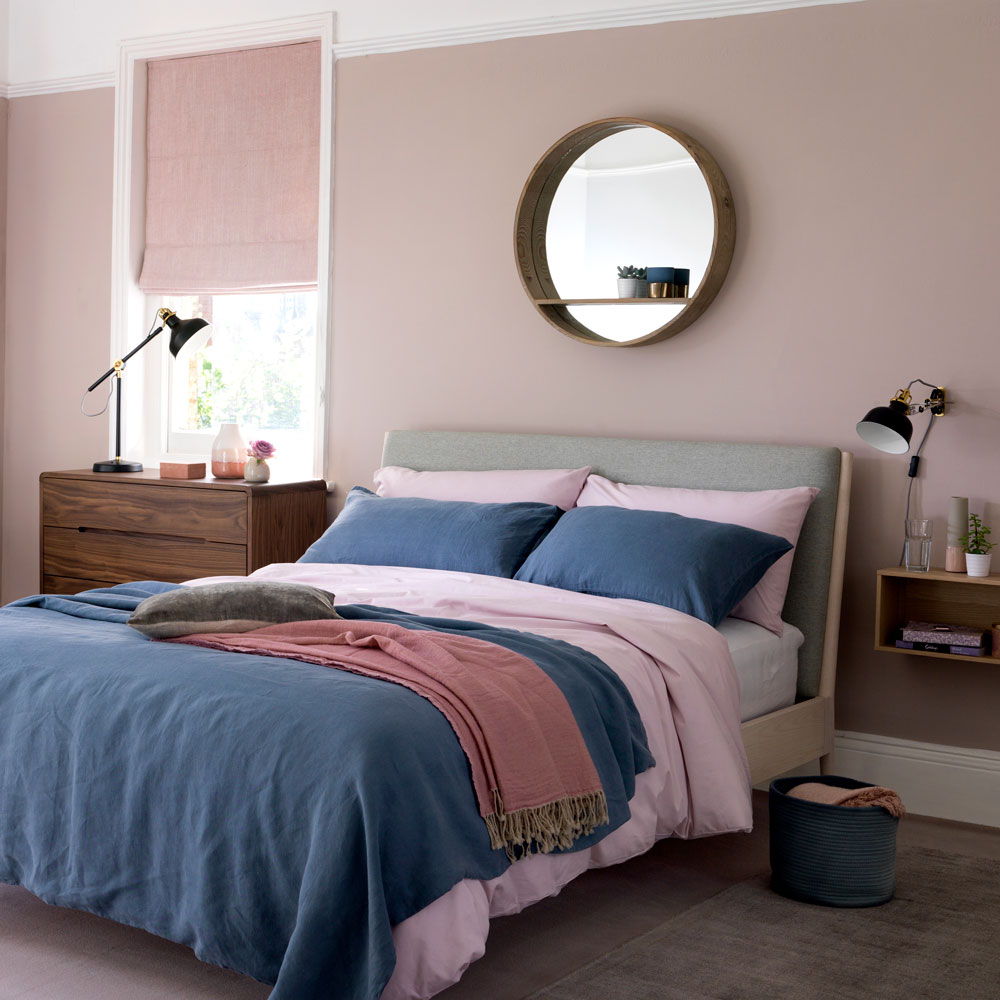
[181, 332]
[889, 428]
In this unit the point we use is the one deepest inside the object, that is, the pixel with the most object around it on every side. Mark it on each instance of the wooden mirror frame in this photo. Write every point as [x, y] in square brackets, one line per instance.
[532, 220]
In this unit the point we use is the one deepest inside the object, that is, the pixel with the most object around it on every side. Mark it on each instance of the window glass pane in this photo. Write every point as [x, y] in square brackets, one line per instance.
[256, 370]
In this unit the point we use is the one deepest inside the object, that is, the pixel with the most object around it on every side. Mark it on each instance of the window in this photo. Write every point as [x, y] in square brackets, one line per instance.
[255, 370]
[234, 141]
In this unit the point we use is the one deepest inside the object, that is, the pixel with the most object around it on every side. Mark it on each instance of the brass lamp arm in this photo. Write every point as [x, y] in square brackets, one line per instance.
[119, 365]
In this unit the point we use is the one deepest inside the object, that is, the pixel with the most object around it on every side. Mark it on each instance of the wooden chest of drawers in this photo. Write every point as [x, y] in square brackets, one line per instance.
[101, 529]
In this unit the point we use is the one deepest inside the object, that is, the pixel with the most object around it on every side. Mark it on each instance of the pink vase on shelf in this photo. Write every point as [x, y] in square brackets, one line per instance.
[229, 453]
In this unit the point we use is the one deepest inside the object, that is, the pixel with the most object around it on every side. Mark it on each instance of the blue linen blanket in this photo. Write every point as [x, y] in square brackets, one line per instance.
[258, 810]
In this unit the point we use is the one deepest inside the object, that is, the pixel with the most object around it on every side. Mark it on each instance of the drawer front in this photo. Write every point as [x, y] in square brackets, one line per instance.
[120, 557]
[214, 515]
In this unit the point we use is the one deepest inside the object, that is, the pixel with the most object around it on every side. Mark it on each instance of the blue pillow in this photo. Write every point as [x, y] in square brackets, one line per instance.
[703, 568]
[490, 538]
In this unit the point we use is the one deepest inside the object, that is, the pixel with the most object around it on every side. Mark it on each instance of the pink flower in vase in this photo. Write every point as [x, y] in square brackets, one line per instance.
[261, 450]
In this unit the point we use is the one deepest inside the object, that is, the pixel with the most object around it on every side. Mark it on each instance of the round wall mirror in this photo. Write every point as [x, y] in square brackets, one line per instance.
[620, 192]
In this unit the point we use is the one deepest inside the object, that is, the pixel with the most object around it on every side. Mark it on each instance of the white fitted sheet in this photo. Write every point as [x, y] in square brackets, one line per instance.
[767, 665]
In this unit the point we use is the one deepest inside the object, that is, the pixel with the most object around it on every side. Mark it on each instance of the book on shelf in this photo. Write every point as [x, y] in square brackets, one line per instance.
[940, 647]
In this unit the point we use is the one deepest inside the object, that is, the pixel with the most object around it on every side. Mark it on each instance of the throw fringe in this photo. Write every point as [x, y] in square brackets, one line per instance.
[541, 829]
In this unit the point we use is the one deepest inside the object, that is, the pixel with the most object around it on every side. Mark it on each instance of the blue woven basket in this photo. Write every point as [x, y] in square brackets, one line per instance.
[833, 855]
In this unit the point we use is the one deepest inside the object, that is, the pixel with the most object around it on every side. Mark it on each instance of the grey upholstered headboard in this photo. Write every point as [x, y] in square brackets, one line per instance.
[692, 464]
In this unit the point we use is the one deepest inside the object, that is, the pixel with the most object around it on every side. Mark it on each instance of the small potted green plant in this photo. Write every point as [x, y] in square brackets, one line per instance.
[632, 282]
[977, 547]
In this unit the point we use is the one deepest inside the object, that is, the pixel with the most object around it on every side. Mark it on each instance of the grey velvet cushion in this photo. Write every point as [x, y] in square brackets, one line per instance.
[230, 607]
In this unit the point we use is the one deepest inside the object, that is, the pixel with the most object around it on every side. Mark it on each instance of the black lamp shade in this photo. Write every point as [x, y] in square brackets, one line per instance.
[182, 330]
[887, 428]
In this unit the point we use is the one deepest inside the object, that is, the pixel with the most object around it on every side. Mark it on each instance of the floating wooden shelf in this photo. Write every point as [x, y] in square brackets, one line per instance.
[612, 302]
[934, 596]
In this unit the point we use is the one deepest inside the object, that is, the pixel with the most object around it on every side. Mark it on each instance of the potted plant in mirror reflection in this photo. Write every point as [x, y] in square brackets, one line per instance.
[632, 282]
[257, 470]
[977, 547]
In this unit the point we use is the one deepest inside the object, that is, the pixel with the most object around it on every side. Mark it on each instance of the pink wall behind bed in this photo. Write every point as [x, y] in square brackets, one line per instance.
[3, 279]
[860, 144]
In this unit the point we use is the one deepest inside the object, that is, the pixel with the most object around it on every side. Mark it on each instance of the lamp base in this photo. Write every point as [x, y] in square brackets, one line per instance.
[117, 465]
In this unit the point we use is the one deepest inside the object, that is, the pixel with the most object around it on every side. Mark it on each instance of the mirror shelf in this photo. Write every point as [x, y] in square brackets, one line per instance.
[566, 236]
[611, 302]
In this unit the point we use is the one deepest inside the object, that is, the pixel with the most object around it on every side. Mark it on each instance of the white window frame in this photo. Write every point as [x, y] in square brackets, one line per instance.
[144, 402]
[160, 370]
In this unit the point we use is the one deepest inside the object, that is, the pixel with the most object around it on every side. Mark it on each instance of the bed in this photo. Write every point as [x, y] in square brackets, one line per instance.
[238, 856]
[776, 742]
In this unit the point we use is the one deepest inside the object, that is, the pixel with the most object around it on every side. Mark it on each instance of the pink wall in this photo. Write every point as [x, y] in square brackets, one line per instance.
[58, 303]
[3, 286]
[859, 145]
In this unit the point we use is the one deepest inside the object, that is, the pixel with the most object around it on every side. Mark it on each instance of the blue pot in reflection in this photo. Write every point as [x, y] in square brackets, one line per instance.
[660, 274]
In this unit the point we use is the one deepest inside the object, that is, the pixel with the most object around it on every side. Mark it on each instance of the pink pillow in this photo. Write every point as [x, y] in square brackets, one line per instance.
[559, 487]
[779, 512]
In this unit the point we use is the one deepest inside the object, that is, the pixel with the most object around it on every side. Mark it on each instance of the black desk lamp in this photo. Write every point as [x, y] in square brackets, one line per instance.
[181, 331]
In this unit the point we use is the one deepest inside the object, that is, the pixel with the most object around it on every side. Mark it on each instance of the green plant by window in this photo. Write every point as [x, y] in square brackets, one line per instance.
[210, 382]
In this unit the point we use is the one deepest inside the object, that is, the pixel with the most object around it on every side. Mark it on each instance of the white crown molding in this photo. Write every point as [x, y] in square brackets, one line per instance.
[274, 32]
[286, 29]
[673, 10]
[933, 780]
[59, 85]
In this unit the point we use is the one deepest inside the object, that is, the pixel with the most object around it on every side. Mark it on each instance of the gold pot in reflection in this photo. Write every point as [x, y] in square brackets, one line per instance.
[658, 289]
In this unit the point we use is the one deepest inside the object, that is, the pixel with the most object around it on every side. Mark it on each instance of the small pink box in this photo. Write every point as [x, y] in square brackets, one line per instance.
[182, 470]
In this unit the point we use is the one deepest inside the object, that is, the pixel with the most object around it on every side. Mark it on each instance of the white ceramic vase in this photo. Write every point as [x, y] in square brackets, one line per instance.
[633, 288]
[977, 564]
[229, 453]
[256, 470]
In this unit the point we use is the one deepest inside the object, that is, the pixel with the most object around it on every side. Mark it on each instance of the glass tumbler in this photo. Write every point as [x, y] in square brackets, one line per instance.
[917, 550]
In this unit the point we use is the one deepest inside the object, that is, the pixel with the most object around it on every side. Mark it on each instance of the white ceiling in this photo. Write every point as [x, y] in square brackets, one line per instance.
[56, 41]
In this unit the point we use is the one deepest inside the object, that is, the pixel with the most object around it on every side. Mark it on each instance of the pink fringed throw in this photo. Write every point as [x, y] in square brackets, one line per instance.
[535, 782]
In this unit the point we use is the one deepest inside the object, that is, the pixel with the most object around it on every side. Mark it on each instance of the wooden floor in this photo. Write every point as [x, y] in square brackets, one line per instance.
[47, 953]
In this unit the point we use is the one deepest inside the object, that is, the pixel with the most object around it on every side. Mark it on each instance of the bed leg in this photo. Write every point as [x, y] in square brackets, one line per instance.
[826, 763]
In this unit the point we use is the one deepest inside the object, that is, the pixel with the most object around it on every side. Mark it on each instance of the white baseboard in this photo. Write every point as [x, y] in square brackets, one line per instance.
[932, 780]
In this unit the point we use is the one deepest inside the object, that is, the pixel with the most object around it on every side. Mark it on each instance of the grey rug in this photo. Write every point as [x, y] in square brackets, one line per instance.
[938, 939]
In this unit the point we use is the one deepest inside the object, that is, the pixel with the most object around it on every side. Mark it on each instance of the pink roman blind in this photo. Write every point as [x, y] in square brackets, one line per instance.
[232, 171]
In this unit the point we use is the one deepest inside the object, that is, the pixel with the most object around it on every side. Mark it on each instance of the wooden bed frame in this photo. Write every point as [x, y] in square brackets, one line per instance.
[781, 740]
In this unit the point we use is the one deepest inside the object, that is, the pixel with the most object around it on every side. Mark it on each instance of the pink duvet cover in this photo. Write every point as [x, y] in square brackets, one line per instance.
[680, 675]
